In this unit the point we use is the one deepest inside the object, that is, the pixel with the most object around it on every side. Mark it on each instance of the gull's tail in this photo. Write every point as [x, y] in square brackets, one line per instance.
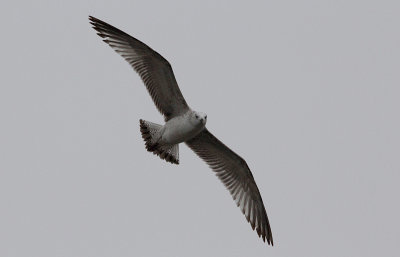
[150, 134]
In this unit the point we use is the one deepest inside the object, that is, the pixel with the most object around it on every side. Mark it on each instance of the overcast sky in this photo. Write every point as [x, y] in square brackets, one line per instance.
[306, 91]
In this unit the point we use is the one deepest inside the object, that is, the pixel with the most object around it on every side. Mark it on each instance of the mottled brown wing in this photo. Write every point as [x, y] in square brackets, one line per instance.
[155, 71]
[234, 173]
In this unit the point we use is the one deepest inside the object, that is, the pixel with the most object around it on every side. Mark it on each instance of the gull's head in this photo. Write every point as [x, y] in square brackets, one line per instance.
[199, 118]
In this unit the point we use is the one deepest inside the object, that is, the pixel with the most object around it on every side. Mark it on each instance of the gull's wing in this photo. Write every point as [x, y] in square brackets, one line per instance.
[234, 173]
[155, 71]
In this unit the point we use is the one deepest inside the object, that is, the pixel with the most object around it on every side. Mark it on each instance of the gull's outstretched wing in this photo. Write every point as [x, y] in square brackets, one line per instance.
[155, 71]
[234, 173]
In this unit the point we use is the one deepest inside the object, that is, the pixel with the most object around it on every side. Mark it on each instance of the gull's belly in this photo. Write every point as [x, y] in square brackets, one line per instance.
[179, 130]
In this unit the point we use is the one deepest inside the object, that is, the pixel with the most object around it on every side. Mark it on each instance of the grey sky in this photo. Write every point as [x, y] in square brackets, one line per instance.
[306, 91]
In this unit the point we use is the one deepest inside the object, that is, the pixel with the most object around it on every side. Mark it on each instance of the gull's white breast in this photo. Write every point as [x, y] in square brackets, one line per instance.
[180, 129]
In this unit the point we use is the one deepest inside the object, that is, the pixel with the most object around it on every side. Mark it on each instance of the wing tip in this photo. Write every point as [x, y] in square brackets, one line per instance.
[99, 25]
[267, 237]
[95, 24]
[264, 234]
[94, 21]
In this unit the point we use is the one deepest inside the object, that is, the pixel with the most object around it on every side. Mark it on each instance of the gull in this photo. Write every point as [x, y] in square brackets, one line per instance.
[182, 124]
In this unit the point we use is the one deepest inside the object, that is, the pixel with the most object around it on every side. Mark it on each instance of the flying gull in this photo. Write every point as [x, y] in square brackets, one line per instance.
[182, 124]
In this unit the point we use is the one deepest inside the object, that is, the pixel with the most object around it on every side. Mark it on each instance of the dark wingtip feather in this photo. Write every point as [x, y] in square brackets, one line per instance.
[252, 225]
[94, 20]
